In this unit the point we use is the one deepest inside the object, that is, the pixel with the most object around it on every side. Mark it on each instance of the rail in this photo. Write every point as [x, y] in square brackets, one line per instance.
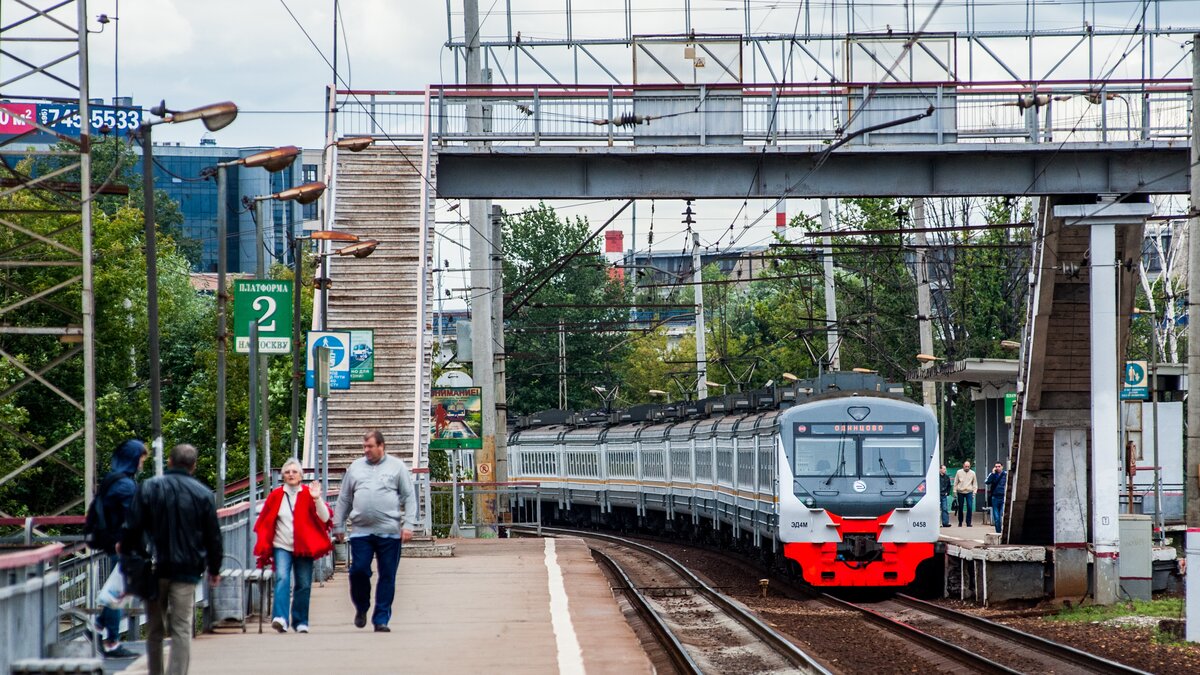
[29, 580]
[976, 112]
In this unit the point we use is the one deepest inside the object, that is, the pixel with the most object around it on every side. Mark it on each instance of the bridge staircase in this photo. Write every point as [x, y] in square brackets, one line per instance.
[377, 195]
[1055, 375]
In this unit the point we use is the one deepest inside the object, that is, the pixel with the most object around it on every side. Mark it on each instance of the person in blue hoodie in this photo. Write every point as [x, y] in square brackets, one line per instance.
[117, 490]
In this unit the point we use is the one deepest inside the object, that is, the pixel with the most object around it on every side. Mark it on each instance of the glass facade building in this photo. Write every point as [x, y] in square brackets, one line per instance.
[177, 171]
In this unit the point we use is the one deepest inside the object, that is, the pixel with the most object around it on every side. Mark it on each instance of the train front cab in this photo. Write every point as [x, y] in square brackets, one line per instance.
[872, 520]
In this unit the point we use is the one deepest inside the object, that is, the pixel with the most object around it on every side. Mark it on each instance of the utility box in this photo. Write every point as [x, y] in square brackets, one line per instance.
[1136, 562]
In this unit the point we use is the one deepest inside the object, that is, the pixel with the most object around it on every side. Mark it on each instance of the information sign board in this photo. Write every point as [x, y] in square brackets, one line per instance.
[362, 355]
[1135, 384]
[269, 303]
[338, 344]
[457, 417]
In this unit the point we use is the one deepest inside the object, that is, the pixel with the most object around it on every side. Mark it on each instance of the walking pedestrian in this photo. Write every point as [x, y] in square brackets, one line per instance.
[945, 492]
[292, 531]
[997, 484]
[115, 494]
[965, 487]
[175, 516]
[378, 498]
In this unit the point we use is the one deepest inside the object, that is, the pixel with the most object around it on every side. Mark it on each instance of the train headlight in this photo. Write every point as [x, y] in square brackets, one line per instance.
[909, 501]
[810, 501]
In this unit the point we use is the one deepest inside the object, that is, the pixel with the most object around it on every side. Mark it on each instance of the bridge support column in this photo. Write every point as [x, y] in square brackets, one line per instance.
[1070, 513]
[1103, 219]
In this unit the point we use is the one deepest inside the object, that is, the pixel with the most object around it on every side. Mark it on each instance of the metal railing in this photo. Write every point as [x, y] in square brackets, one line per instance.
[29, 613]
[991, 112]
[462, 509]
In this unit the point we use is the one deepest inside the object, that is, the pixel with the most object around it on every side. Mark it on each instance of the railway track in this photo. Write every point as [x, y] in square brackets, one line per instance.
[699, 629]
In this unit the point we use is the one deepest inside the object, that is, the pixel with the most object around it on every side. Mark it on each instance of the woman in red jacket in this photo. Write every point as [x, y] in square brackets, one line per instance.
[292, 531]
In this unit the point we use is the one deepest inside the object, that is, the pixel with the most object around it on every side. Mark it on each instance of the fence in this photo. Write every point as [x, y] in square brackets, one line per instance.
[466, 508]
[29, 612]
[991, 112]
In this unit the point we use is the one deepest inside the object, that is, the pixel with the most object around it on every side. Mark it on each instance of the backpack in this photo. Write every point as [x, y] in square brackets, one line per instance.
[97, 533]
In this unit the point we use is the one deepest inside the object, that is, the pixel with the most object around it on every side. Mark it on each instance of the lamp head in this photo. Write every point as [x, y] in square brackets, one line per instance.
[1012, 344]
[656, 392]
[274, 160]
[865, 371]
[928, 358]
[356, 144]
[359, 249]
[303, 194]
[790, 377]
[333, 235]
[215, 116]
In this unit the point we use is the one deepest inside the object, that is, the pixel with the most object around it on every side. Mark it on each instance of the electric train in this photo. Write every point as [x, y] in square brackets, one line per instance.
[835, 478]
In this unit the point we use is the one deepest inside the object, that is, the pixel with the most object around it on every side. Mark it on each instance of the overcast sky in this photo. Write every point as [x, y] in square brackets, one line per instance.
[272, 57]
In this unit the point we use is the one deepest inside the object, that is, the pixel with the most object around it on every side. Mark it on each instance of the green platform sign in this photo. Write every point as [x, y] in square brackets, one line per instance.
[268, 302]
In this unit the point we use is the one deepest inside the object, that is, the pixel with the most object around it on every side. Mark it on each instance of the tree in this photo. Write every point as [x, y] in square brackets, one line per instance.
[590, 304]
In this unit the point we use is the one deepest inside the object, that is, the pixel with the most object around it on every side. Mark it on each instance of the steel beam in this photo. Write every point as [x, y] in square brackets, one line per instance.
[965, 169]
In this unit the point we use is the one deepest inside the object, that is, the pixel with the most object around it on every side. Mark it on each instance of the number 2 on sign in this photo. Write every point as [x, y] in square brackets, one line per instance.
[269, 303]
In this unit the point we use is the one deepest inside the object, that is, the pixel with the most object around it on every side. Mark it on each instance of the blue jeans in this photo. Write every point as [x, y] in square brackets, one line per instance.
[997, 512]
[966, 503]
[289, 566]
[109, 621]
[362, 549]
[946, 510]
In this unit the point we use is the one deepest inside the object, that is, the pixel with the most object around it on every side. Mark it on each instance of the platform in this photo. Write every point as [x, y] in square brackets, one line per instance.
[499, 605]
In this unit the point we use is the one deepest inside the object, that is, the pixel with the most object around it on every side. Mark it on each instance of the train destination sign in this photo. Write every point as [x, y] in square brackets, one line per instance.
[269, 303]
[858, 428]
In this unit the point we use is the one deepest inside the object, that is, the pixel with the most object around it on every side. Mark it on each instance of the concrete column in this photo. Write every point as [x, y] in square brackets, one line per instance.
[1070, 513]
[1103, 219]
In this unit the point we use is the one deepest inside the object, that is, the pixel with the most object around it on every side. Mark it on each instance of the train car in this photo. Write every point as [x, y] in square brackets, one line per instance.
[833, 478]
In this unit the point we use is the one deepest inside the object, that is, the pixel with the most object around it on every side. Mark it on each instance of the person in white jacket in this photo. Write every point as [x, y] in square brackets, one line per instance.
[965, 487]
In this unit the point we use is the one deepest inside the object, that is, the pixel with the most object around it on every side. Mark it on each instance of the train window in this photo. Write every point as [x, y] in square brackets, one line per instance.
[816, 456]
[897, 456]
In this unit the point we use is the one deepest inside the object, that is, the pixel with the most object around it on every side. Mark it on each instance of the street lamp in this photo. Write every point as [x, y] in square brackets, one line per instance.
[358, 248]
[302, 194]
[215, 117]
[790, 377]
[928, 358]
[276, 159]
[659, 392]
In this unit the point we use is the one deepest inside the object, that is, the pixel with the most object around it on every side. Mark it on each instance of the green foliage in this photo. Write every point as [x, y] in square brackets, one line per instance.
[536, 242]
[188, 348]
[1165, 607]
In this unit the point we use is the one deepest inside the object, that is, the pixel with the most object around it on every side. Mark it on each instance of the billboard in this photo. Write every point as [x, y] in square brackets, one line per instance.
[63, 118]
[456, 417]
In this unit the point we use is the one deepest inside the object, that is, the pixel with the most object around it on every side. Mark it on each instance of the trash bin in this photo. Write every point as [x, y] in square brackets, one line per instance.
[228, 599]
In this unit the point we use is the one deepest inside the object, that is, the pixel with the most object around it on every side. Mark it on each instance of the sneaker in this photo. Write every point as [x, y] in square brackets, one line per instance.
[119, 652]
[380, 628]
[360, 619]
[279, 623]
[302, 628]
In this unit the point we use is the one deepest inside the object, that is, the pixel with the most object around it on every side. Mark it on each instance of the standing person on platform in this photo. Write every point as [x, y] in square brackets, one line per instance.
[377, 496]
[292, 531]
[965, 487]
[997, 484]
[116, 494]
[944, 490]
[176, 515]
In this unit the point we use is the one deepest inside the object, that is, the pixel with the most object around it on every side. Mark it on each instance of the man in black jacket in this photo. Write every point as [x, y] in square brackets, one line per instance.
[115, 494]
[946, 492]
[176, 517]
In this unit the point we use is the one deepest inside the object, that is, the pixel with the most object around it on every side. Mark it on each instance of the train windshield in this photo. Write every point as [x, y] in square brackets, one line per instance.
[830, 456]
[895, 456]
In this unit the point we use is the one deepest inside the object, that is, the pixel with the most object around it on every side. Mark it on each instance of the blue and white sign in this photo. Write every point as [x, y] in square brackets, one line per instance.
[339, 358]
[103, 119]
[1135, 384]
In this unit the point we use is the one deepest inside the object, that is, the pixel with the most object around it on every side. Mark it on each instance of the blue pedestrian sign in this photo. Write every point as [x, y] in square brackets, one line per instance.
[1135, 385]
[339, 358]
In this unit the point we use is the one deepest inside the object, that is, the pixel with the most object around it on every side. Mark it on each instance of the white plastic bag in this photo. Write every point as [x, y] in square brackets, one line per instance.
[113, 594]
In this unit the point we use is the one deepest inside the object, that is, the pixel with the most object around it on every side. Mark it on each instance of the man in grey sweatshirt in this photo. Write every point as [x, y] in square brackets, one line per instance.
[378, 497]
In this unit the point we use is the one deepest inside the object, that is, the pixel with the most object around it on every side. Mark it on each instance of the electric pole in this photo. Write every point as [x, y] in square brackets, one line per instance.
[697, 279]
[1192, 453]
[924, 304]
[832, 353]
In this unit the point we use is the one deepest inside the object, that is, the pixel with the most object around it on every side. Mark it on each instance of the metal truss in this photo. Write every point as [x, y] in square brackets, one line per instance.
[47, 331]
[797, 41]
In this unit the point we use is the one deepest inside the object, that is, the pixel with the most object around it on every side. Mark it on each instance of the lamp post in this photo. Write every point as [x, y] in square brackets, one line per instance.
[359, 248]
[301, 194]
[273, 160]
[215, 117]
